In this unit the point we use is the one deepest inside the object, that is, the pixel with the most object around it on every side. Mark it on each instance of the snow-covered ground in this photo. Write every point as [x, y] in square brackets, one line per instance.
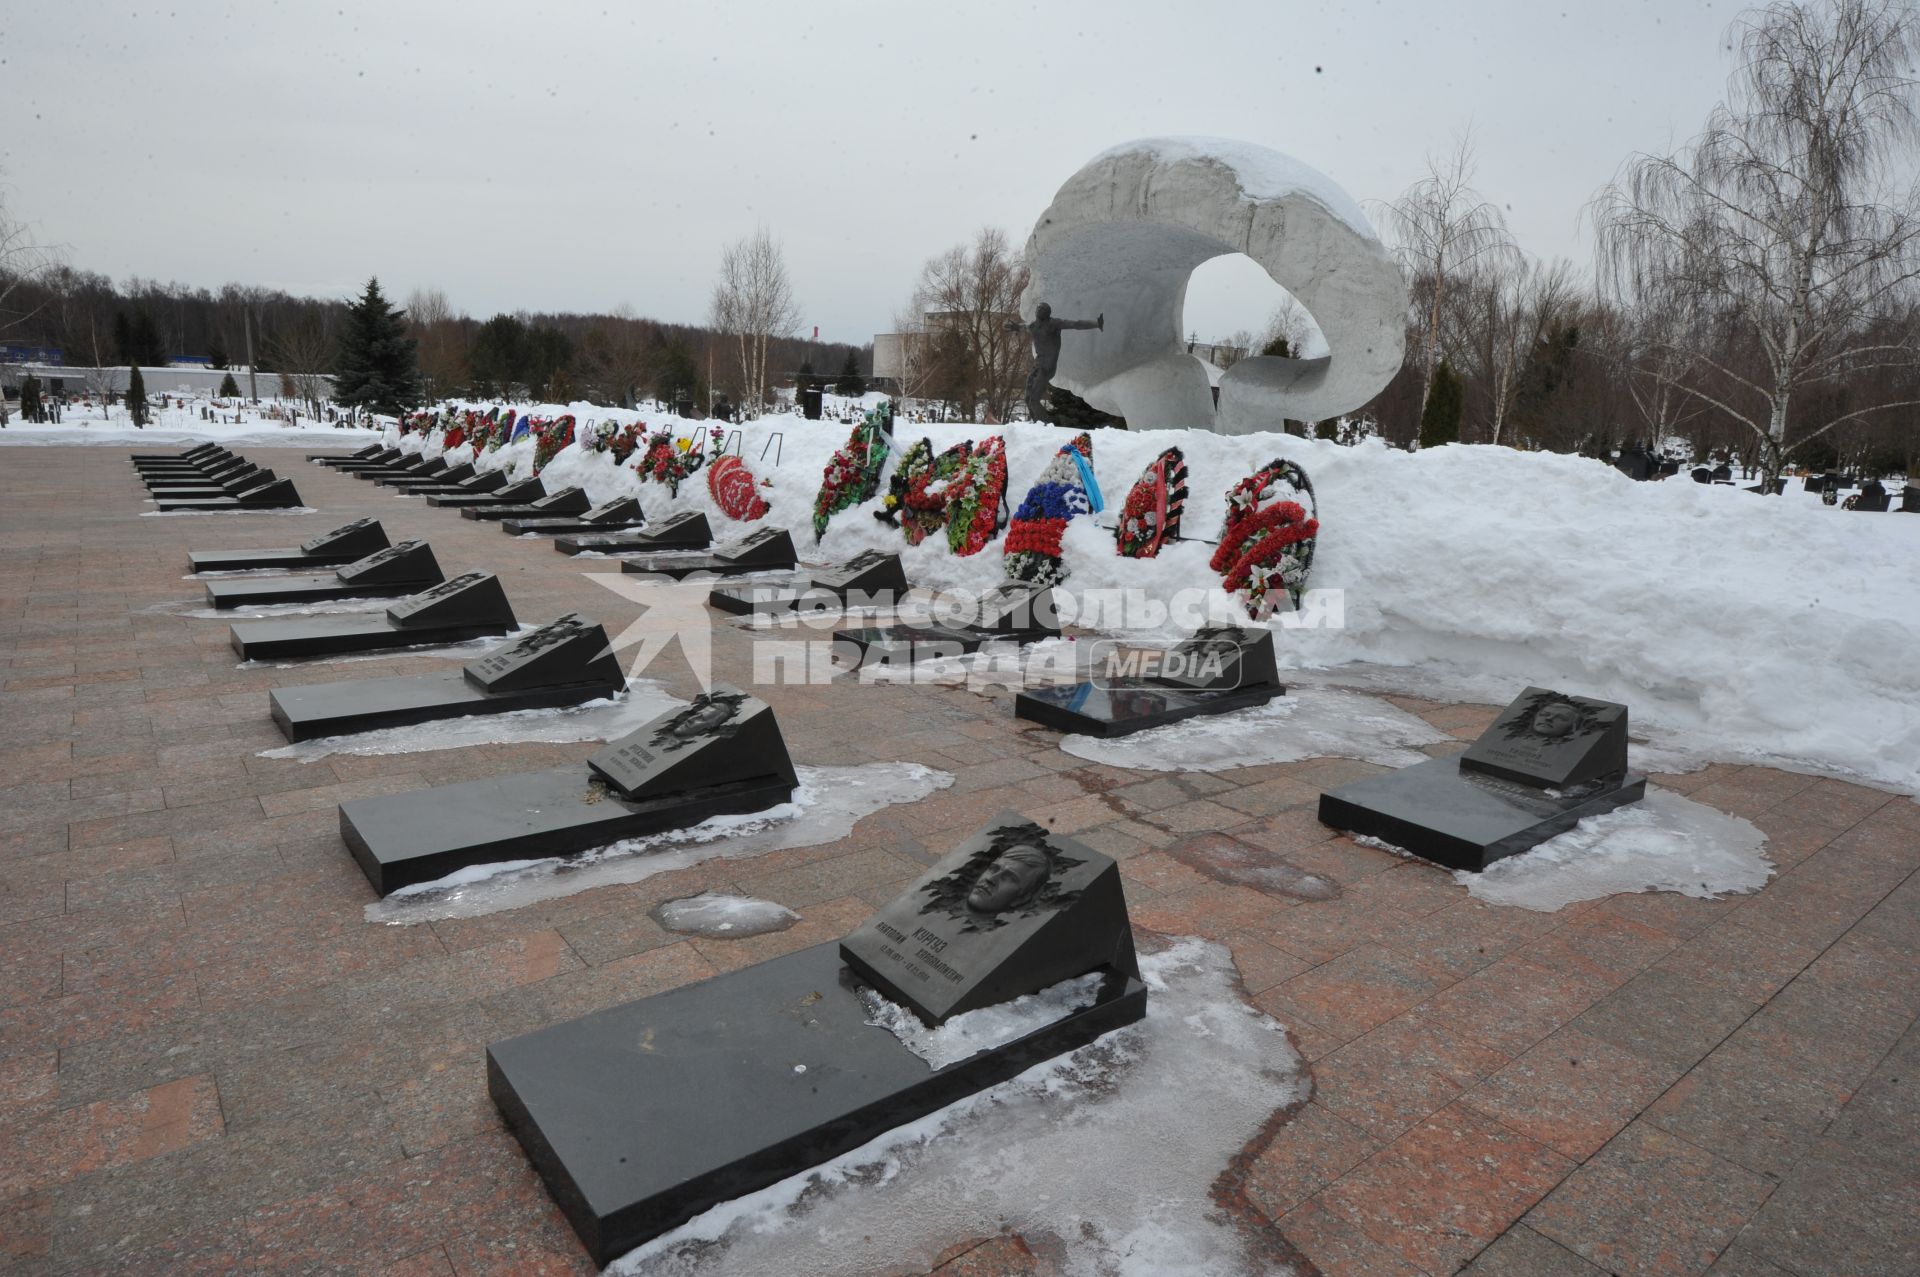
[179, 422]
[1735, 626]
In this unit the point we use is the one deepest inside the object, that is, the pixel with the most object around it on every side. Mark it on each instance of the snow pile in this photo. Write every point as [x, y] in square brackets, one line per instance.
[724, 917]
[1015, 1157]
[1665, 843]
[1734, 626]
[1305, 723]
[968, 1034]
[825, 807]
[177, 427]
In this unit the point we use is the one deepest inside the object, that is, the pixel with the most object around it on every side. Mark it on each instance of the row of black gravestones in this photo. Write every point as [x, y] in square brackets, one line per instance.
[642, 1116]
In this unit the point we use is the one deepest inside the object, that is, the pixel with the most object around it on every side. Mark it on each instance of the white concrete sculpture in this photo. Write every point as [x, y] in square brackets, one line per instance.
[1123, 237]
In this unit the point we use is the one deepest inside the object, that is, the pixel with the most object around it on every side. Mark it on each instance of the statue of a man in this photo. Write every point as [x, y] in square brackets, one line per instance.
[1045, 331]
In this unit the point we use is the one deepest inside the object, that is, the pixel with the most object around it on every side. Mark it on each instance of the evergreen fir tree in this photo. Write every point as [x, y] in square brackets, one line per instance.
[229, 389]
[136, 396]
[376, 362]
[1440, 419]
[802, 380]
[30, 399]
[851, 383]
[216, 353]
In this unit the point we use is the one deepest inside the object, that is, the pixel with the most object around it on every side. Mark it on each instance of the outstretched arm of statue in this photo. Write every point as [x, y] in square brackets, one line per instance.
[1015, 326]
[1100, 323]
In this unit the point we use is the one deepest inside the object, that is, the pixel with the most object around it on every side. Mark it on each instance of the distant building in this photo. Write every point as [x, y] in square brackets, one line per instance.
[195, 378]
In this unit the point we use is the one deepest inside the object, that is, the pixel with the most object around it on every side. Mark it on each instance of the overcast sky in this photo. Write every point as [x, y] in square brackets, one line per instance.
[577, 156]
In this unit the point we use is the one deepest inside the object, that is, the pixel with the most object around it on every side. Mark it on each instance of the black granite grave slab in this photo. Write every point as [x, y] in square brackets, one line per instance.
[415, 467]
[1121, 707]
[721, 755]
[765, 1072]
[467, 607]
[565, 501]
[687, 531]
[484, 482]
[223, 487]
[408, 482]
[1551, 739]
[871, 579]
[379, 460]
[198, 450]
[1010, 911]
[1218, 670]
[565, 663]
[1016, 612]
[768, 550]
[363, 454]
[1444, 812]
[199, 475]
[620, 513]
[619, 1110]
[344, 544]
[396, 570]
[279, 494]
[521, 493]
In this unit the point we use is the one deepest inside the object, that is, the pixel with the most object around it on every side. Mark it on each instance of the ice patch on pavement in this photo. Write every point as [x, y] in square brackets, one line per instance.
[603, 719]
[1314, 722]
[966, 1035]
[825, 807]
[451, 651]
[206, 514]
[1112, 1149]
[1663, 843]
[723, 917]
[263, 611]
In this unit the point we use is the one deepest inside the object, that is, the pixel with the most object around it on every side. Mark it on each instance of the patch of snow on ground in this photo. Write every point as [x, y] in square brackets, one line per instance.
[1664, 843]
[1313, 722]
[724, 917]
[232, 510]
[448, 651]
[603, 719]
[825, 807]
[1158, 1107]
[972, 1032]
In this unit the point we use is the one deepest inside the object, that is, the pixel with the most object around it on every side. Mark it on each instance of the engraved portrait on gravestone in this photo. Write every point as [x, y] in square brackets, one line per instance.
[1552, 717]
[1014, 876]
[710, 716]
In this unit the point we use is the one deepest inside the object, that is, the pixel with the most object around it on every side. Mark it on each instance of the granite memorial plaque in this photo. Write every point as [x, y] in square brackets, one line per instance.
[1011, 911]
[768, 550]
[1219, 670]
[397, 569]
[407, 483]
[408, 561]
[569, 650]
[344, 544]
[565, 501]
[566, 663]
[722, 755]
[871, 579]
[524, 492]
[1549, 739]
[363, 454]
[280, 494]
[613, 516]
[468, 607]
[685, 531]
[617, 1109]
[722, 737]
[1015, 611]
[1550, 760]
[478, 485]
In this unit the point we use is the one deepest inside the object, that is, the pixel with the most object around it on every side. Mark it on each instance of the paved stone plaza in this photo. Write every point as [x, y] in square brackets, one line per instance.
[210, 1061]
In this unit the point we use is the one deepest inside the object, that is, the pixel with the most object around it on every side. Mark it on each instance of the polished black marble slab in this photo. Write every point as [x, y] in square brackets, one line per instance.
[467, 607]
[686, 531]
[396, 570]
[1123, 707]
[612, 516]
[768, 550]
[642, 1116]
[279, 494]
[486, 481]
[364, 454]
[565, 501]
[1445, 812]
[343, 545]
[521, 493]
[872, 579]
[406, 483]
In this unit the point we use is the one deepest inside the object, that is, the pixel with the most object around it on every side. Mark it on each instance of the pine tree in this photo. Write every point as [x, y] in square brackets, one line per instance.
[376, 362]
[1440, 419]
[802, 380]
[216, 353]
[136, 396]
[851, 383]
[229, 389]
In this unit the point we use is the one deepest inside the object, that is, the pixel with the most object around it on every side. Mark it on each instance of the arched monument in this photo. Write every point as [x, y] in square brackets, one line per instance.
[1123, 236]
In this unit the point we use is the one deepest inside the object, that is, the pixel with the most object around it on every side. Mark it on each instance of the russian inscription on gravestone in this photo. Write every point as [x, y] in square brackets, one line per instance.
[1014, 909]
[721, 737]
[571, 649]
[1553, 740]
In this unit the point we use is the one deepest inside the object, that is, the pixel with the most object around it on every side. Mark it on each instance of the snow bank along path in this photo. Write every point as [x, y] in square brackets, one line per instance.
[1733, 625]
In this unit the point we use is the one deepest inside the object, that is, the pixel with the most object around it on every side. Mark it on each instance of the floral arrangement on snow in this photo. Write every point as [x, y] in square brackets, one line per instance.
[549, 437]
[977, 498]
[919, 495]
[853, 472]
[1268, 541]
[621, 442]
[733, 489]
[669, 460]
[1066, 488]
[1150, 516]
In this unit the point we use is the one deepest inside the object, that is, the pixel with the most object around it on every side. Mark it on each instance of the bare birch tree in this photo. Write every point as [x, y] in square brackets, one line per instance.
[969, 293]
[1782, 223]
[436, 330]
[303, 354]
[1507, 314]
[752, 304]
[1444, 232]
